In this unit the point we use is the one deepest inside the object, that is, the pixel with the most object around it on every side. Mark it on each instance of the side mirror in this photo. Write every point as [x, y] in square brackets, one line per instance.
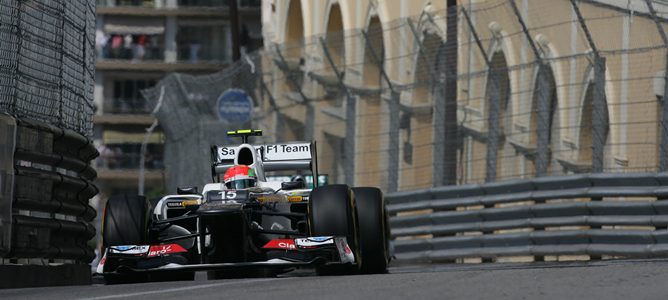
[186, 190]
[291, 185]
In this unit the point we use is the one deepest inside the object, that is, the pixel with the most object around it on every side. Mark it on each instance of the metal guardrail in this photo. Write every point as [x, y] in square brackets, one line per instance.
[620, 214]
[52, 184]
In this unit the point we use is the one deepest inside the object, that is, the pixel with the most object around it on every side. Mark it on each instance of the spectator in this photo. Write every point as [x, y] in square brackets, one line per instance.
[106, 158]
[140, 50]
[116, 44]
[100, 43]
[127, 46]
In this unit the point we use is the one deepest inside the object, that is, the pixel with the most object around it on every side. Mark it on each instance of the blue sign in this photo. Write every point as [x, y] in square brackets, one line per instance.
[235, 106]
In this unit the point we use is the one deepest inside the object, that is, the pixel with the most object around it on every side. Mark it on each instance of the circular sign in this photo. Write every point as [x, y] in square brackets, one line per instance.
[235, 106]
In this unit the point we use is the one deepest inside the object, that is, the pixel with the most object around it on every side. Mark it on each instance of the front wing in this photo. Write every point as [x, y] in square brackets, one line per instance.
[167, 257]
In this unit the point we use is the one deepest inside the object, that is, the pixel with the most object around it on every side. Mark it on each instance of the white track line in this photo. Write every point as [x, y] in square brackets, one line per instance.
[187, 288]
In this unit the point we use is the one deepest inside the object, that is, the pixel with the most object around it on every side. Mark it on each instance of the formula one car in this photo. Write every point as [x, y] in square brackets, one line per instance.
[244, 225]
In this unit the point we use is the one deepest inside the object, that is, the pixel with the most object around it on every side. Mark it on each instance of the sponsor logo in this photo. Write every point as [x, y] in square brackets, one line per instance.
[320, 238]
[345, 253]
[287, 151]
[160, 250]
[314, 242]
[286, 244]
[128, 249]
[295, 198]
[272, 198]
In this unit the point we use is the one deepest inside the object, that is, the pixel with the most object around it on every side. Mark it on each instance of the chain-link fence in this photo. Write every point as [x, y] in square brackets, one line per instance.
[47, 61]
[502, 89]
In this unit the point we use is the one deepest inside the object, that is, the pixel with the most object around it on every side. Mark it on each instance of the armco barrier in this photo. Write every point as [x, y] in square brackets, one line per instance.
[620, 215]
[46, 215]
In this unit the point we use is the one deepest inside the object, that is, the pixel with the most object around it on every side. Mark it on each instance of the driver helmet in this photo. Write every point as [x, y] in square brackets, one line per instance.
[239, 177]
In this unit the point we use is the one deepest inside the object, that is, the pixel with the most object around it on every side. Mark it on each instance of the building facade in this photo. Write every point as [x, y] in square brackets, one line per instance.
[137, 44]
[543, 87]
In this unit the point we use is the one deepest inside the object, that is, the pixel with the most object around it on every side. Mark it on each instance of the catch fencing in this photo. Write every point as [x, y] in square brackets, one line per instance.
[520, 89]
[47, 61]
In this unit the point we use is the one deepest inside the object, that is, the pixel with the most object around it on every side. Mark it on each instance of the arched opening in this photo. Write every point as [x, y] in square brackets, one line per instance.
[294, 30]
[416, 159]
[374, 54]
[498, 81]
[289, 62]
[335, 39]
[332, 150]
[553, 126]
[371, 134]
[586, 126]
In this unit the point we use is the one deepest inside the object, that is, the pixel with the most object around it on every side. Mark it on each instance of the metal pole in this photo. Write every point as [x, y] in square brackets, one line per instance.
[663, 147]
[144, 144]
[599, 109]
[451, 128]
[234, 27]
[349, 140]
[393, 166]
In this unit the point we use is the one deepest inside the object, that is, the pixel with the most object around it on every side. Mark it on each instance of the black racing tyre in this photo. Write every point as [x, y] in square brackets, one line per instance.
[332, 212]
[373, 229]
[125, 221]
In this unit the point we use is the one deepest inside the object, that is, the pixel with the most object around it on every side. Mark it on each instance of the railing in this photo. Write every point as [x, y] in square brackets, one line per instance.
[181, 3]
[133, 53]
[196, 53]
[128, 106]
[619, 215]
[44, 203]
[130, 161]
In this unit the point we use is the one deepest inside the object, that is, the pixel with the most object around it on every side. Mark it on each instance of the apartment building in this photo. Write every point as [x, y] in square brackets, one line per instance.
[137, 43]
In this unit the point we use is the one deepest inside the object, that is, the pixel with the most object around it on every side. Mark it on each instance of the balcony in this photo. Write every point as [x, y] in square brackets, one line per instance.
[136, 106]
[136, 3]
[184, 8]
[129, 161]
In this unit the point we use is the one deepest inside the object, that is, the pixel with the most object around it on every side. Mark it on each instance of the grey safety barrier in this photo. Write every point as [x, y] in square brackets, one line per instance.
[621, 215]
[49, 207]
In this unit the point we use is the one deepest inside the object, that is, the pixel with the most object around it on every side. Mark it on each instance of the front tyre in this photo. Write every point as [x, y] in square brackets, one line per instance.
[125, 222]
[332, 212]
[373, 229]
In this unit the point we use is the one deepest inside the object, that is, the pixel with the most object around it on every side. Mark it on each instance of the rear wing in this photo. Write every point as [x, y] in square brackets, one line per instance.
[270, 157]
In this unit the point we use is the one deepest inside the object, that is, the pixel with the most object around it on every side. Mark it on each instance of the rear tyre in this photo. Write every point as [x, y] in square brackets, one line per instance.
[373, 229]
[332, 212]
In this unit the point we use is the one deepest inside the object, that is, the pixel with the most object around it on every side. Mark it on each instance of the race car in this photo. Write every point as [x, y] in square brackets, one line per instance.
[243, 225]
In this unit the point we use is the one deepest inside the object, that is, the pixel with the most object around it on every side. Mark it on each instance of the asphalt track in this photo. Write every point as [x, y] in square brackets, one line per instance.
[623, 279]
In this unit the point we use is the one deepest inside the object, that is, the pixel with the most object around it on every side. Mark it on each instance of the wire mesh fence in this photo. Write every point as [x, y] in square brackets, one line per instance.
[47, 63]
[521, 89]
